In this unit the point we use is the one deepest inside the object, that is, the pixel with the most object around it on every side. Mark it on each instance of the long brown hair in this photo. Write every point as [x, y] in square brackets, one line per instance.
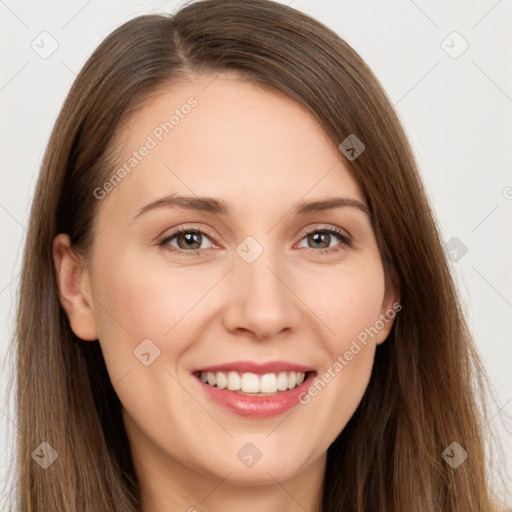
[428, 386]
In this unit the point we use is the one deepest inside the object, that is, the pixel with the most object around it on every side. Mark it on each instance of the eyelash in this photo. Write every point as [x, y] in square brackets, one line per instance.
[345, 239]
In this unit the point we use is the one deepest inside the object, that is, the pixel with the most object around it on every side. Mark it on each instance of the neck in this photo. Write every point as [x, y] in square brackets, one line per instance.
[166, 484]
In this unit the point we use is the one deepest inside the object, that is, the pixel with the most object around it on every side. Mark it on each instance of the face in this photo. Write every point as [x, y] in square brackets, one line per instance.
[260, 282]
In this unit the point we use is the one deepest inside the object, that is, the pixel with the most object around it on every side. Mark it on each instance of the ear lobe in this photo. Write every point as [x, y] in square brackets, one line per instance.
[74, 289]
[390, 303]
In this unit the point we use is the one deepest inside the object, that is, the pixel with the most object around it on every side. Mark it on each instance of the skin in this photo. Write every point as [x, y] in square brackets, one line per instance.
[261, 153]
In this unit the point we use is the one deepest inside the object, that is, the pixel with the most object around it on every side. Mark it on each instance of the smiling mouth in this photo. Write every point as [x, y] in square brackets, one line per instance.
[253, 384]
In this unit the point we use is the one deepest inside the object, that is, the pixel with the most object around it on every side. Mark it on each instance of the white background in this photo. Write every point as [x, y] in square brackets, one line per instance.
[457, 113]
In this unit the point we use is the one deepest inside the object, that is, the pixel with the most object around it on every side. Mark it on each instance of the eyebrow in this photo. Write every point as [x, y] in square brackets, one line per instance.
[220, 207]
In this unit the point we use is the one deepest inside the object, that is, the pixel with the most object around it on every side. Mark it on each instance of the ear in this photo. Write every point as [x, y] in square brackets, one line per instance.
[390, 305]
[74, 289]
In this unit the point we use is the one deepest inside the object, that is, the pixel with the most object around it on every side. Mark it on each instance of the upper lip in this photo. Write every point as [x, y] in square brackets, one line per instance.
[255, 367]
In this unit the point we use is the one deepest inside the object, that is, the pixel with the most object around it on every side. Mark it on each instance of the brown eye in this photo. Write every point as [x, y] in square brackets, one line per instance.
[322, 240]
[186, 240]
[189, 240]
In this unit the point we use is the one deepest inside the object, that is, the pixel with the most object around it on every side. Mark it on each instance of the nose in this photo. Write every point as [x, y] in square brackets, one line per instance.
[261, 299]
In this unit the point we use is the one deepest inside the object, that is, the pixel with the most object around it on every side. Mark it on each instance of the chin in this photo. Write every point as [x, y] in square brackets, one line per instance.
[275, 465]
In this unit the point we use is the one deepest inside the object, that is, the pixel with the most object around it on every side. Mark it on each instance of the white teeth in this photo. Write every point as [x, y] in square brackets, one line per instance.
[249, 382]
[222, 380]
[233, 381]
[268, 383]
[292, 380]
[282, 381]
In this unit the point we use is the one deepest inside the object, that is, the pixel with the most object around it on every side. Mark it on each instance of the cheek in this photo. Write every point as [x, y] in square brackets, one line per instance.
[350, 310]
[347, 301]
[136, 303]
[143, 300]
[147, 310]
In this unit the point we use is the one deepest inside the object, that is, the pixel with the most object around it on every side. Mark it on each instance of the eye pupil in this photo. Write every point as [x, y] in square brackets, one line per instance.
[320, 237]
[190, 238]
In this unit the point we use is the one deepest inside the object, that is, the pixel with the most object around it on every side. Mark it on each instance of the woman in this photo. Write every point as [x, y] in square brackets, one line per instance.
[183, 342]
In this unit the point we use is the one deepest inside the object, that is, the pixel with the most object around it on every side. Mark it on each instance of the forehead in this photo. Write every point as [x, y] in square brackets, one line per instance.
[224, 137]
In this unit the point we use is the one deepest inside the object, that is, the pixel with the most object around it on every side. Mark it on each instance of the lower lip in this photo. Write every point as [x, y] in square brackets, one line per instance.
[257, 406]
